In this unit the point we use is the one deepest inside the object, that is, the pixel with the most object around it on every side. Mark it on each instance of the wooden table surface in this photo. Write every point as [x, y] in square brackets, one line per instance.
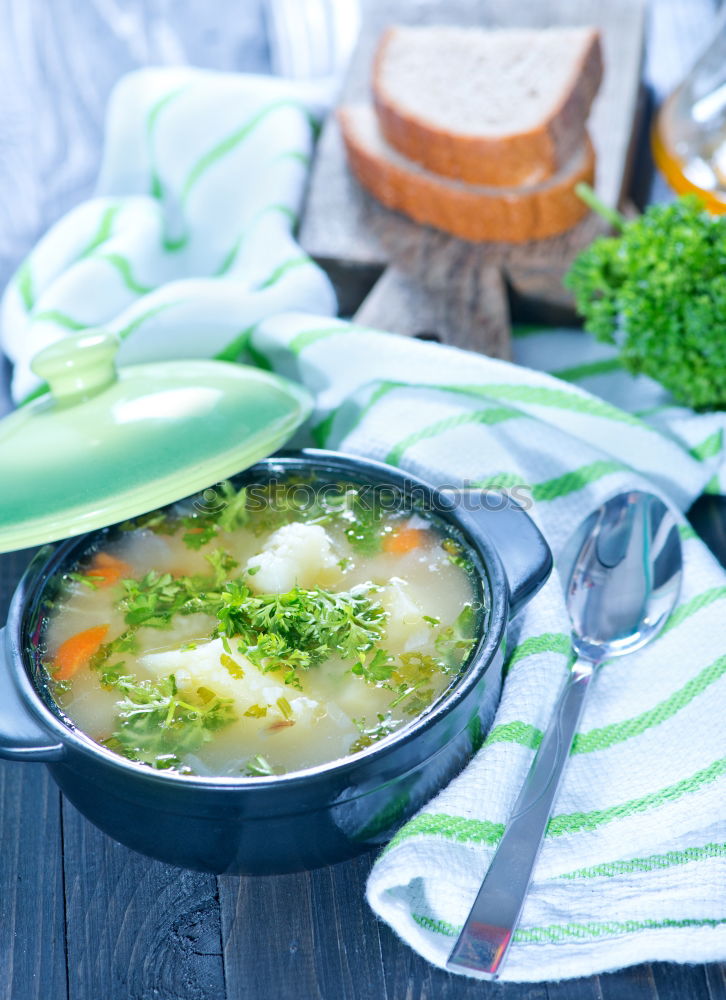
[81, 917]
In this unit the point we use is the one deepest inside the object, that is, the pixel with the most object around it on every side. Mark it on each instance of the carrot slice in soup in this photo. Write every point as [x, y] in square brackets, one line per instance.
[77, 651]
[404, 541]
[105, 570]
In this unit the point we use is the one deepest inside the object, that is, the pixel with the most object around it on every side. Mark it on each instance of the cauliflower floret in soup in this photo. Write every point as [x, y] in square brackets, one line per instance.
[405, 627]
[245, 684]
[296, 555]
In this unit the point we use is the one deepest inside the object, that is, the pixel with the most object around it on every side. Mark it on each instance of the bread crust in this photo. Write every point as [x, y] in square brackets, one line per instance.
[508, 161]
[471, 213]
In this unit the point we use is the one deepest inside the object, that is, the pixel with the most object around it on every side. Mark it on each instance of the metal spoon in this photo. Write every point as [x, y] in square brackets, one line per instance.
[624, 569]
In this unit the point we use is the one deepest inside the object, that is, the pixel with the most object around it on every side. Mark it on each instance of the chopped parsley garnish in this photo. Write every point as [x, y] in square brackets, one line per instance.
[256, 711]
[229, 513]
[384, 726]
[379, 668]
[124, 643]
[302, 628]
[153, 600]
[231, 665]
[86, 580]
[456, 553]
[365, 524]
[258, 767]
[157, 726]
[454, 643]
[156, 521]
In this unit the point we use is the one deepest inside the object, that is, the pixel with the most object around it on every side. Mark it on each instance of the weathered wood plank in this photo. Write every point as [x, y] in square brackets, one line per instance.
[475, 316]
[409, 976]
[32, 932]
[267, 934]
[137, 929]
[349, 959]
[309, 935]
[635, 983]
[686, 982]
[715, 981]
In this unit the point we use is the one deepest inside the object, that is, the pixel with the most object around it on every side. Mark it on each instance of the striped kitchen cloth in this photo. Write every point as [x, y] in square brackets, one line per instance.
[633, 867]
[189, 240]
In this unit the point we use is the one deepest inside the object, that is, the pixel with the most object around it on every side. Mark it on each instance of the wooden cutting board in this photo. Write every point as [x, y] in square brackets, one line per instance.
[429, 282]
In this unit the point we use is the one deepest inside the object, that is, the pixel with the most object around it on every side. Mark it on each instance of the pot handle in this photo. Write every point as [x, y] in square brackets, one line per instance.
[22, 736]
[525, 555]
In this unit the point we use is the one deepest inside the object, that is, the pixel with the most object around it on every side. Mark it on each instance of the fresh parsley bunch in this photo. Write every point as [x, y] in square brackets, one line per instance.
[658, 291]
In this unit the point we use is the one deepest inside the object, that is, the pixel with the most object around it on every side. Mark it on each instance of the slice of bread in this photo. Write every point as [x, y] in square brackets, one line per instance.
[471, 212]
[502, 107]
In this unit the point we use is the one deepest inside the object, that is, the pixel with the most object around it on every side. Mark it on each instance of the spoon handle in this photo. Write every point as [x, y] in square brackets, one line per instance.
[487, 933]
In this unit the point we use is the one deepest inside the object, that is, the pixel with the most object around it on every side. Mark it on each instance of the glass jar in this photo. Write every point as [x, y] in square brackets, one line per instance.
[689, 135]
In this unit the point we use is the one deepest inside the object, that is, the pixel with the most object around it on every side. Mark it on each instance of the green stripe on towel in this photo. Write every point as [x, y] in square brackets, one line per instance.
[560, 399]
[559, 486]
[149, 314]
[60, 319]
[576, 372]
[474, 831]
[603, 737]
[123, 267]
[24, 281]
[548, 642]
[495, 415]
[577, 479]
[556, 933]
[695, 604]
[104, 231]
[302, 340]
[226, 145]
[710, 447]
[618, 732]
[515, 732]
[649, 864]
[282, 269]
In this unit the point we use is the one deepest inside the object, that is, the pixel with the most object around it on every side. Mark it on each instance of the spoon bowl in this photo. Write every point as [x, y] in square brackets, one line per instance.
[624, 568]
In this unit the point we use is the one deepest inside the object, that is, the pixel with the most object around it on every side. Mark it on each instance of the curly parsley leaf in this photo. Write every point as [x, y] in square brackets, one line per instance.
[157, 726]
[384, 725]
[658, 291]
[153, 600]
[258, 767]
[301, 628]
[229, 513]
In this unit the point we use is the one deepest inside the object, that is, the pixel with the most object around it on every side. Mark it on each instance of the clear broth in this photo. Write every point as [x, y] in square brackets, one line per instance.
[230, 710]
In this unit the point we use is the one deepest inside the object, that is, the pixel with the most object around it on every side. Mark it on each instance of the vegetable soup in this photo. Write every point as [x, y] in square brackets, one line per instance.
[263, 630]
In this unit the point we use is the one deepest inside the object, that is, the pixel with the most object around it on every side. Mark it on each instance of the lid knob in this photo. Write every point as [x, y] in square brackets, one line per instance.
[79, 366]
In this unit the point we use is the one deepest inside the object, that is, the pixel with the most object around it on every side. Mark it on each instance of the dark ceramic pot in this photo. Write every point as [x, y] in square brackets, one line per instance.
[294, 821]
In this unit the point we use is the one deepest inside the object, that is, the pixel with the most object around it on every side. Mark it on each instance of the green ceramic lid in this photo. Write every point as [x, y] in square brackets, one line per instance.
[103, 446]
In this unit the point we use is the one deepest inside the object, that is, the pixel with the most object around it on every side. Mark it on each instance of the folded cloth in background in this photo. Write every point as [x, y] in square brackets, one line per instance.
[634, 864]
[189, 240]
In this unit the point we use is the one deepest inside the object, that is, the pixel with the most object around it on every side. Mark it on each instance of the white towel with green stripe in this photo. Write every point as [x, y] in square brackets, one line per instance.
[189, 241]
[633, 867]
